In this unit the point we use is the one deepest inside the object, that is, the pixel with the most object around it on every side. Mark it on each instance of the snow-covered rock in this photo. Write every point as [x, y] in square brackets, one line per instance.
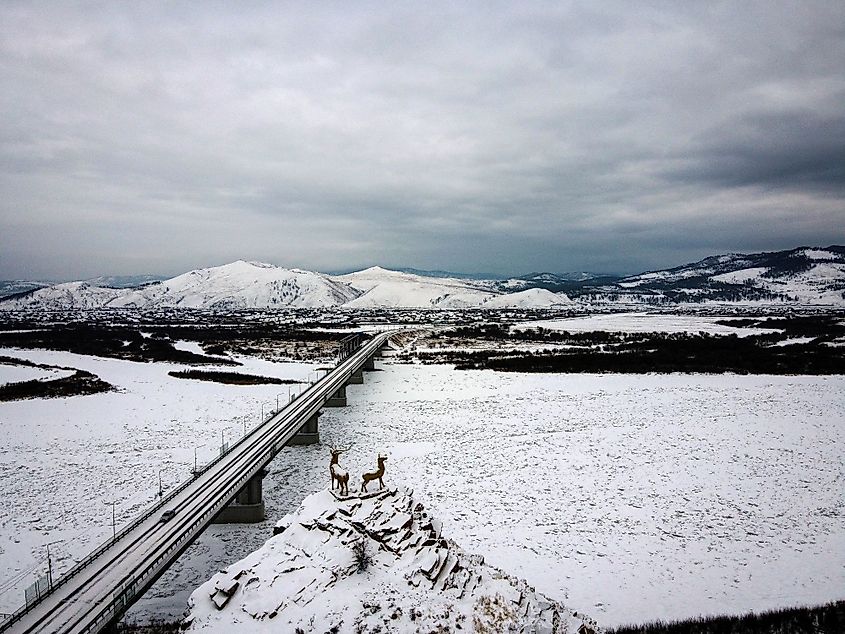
[311, 576]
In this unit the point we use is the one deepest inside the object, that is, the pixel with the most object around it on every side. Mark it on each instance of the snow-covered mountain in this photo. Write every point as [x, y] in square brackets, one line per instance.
[814, 276]
[17, 287]
[804, 275]
[240, 285]
[529, 298]
[66, 296]
[370, 564]
[383, 288]
[232, 286]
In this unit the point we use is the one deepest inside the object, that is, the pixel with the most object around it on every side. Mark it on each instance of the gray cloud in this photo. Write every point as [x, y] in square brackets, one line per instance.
[476, 137]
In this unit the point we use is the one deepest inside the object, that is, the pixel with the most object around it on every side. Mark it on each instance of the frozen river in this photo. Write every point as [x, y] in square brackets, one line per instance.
[628, 497]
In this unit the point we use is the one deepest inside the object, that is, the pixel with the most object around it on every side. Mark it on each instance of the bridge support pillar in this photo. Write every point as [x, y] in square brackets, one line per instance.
[338, 399]
[369, 364]
[308, 434]
[357, 377]
[248, 505]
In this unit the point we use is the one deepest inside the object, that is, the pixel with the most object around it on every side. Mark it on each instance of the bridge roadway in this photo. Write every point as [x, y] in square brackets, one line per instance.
[97, 591]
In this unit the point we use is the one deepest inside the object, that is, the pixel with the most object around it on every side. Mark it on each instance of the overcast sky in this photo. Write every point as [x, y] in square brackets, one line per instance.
[143, 137]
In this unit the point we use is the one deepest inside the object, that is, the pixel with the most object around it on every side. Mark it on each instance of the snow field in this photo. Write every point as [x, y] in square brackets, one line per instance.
[644, 322]
[628, 497]
[18, 373]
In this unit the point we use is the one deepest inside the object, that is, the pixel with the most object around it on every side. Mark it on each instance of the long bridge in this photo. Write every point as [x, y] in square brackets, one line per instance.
[96, 592]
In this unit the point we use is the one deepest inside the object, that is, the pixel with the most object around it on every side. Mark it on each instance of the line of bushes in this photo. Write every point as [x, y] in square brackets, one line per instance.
[824, 619]
[232, 378]
[685, 352]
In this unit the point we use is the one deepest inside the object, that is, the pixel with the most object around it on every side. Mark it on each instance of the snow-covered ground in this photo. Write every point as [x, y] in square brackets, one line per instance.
[17, 373]
[62, 459]
[643, 322]
[630, 497]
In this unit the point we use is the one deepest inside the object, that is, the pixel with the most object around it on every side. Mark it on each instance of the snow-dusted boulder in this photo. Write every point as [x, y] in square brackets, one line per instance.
[377, 564]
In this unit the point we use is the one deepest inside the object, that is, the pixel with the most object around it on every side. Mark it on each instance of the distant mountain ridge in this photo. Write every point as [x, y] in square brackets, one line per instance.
[805, 275]
[258, 285]
[809, 275]
[10, 288]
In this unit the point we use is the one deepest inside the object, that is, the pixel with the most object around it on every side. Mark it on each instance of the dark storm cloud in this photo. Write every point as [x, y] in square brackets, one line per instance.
[785, 150]
[475, 136]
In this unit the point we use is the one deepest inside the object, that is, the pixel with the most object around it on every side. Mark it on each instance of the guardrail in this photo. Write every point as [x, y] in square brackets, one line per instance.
[334, 383]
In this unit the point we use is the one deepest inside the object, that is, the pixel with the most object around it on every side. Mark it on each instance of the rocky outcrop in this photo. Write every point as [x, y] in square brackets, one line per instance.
[371, 564]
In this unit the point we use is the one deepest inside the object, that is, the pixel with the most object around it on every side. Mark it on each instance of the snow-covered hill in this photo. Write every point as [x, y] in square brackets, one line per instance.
[257, 285]
[232, 286]
[383, 288]
[17, 287]
[812, 276]
[309, 578]
[240, 285]
[67, 296]
[803, 275]
[530, 298]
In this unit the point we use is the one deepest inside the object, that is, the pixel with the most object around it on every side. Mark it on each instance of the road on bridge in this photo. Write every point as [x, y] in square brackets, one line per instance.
[98, 590]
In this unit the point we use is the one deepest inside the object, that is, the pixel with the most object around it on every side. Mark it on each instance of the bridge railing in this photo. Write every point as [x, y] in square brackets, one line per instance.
[131, 586]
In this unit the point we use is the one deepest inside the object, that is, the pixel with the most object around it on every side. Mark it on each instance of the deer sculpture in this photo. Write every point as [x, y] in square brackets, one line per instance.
[375, 475]
[339, 473]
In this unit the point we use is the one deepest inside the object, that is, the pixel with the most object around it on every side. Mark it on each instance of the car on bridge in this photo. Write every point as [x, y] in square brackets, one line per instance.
[167, 516]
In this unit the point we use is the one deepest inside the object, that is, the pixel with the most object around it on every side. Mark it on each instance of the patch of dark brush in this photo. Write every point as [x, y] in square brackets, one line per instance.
[824, 619]
[104, 341]
[640, 353]
[156, 626]
[79, 383]
[231, 378]
[219, 335]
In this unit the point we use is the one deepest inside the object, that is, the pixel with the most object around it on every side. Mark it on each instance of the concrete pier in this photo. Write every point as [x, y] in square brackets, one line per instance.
[369, 365]
[308, 434]
[338, 399]
[248, 505]
[357, 377]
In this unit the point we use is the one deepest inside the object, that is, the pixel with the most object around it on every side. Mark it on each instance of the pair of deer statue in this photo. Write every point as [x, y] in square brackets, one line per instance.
[340, 474]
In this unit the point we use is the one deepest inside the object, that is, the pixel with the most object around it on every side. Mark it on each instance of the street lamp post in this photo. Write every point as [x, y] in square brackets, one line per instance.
[113, 521]
[49, 568]
[160, 488]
